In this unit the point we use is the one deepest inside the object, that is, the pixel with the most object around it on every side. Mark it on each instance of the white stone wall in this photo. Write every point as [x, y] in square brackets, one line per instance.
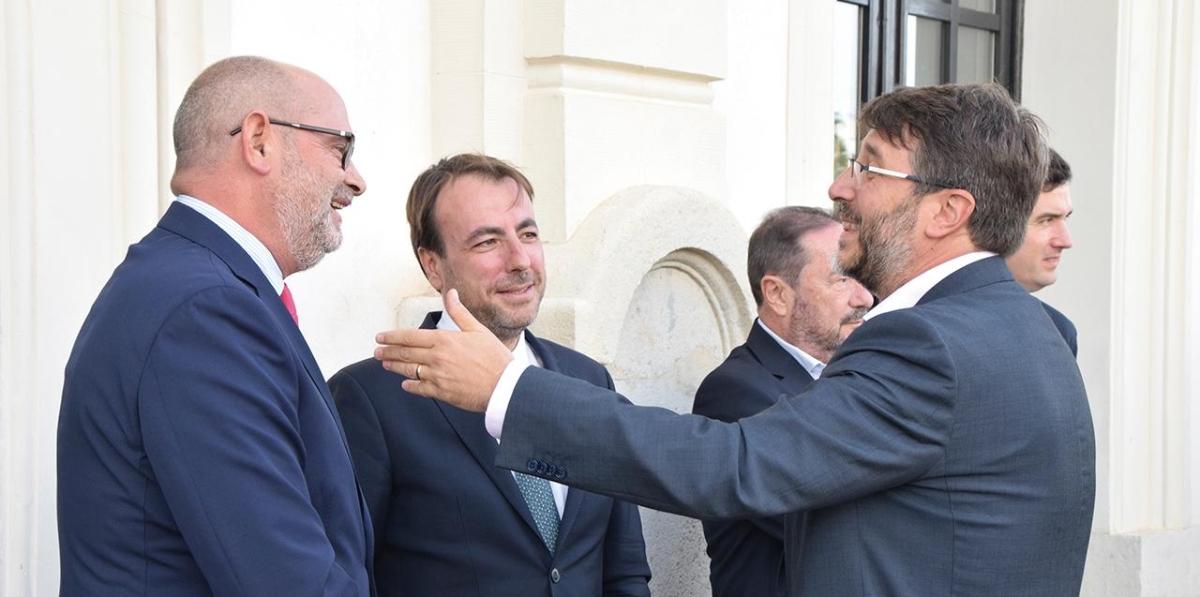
[1117, 83]
[656, 134]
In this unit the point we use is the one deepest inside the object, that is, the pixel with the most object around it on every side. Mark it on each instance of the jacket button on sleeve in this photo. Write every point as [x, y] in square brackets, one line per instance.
[531, 465]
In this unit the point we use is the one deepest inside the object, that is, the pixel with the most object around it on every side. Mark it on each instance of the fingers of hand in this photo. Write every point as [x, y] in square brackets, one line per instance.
[413, 386]
[407, 338]
[403, 354]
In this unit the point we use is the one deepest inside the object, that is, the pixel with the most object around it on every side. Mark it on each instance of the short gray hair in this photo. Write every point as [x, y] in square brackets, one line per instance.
[221, 96]
[775, 247]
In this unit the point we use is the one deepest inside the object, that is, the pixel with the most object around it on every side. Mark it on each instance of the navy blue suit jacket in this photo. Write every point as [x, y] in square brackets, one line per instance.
[199, 450]
[1065, 327]
[947, 449]
[450, 523]
[747, 554]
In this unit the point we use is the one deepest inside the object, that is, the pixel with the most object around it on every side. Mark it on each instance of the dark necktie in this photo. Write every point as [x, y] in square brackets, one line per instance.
[540, 499]
[286, 297]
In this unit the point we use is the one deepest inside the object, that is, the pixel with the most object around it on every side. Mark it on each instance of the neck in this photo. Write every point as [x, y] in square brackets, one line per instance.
[511, 343]
[922, 260]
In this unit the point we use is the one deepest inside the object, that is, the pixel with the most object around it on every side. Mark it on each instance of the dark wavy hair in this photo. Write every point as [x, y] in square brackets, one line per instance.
[976, 138]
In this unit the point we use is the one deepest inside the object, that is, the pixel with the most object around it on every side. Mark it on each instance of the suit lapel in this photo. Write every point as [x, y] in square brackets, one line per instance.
[790, 373]
[473, 433]
[190, 224]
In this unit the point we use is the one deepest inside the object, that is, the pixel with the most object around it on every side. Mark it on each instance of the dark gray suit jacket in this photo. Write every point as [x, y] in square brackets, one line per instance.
[450, 523]
[1065, 327]
[946, 450]
[747, 554]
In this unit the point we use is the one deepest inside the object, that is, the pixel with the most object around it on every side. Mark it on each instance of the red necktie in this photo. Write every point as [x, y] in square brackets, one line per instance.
[286, 297]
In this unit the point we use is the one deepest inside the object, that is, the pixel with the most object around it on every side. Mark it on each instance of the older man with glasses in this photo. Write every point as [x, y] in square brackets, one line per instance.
[199, 452]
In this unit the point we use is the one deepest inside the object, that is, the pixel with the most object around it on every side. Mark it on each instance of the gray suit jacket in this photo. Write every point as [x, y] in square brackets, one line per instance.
[946, 450]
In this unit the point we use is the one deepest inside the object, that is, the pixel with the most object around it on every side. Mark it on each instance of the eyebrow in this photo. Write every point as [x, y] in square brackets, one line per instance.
[490, 230]
[1053, 213]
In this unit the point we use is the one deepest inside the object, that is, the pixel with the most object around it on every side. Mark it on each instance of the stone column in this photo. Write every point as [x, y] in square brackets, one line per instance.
[82, 179]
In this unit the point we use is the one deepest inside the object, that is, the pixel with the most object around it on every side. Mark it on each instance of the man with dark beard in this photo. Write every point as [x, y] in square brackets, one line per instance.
[199, 452]
[448, 521]
[947, 448]
[806, 309]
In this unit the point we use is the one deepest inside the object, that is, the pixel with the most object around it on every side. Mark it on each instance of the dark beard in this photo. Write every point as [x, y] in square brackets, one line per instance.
[884, 250]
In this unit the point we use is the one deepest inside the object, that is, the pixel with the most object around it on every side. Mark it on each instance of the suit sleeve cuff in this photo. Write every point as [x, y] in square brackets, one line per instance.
[501, 396]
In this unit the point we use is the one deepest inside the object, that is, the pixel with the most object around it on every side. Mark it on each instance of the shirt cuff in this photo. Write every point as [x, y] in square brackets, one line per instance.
[493, 419]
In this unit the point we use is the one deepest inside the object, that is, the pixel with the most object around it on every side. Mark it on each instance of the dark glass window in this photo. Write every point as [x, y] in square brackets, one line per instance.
[881, 44]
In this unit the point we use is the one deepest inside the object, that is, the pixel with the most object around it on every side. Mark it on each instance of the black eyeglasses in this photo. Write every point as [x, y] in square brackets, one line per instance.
[857, 172]
[347, 151]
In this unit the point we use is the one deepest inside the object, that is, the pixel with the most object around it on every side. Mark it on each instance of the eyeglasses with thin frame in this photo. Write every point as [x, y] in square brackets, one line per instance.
[347, 151]
[857, 168]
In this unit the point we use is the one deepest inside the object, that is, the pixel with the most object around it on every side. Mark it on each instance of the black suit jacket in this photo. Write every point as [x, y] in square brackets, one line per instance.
[747, 554]
[450, 523]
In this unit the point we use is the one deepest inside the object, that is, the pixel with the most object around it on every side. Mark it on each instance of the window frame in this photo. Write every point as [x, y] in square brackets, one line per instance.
[883, 39]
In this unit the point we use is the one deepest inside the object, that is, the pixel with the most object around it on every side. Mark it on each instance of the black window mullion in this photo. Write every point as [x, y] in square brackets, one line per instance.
[950, 52]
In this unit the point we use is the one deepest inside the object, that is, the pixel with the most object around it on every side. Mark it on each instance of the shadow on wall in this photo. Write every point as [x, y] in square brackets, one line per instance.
[671, 338]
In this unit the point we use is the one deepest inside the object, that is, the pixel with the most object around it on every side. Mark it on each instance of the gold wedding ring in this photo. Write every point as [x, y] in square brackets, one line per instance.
[418, 376]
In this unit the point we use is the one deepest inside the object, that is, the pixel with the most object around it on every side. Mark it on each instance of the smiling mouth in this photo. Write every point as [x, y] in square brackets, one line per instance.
[516, 290]
[339, 203]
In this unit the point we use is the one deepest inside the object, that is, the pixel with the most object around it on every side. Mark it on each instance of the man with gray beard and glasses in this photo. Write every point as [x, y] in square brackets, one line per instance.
[199, 452]
[806, 309]
[947, 448]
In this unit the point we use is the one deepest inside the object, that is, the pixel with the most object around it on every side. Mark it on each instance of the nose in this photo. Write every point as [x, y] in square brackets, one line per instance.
[1062, 237]
[518, 259]
[354, 179]
[842, 188]
[860, 298]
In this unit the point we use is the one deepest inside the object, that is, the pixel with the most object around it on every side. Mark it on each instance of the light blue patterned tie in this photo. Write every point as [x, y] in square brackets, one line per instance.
[541, 504]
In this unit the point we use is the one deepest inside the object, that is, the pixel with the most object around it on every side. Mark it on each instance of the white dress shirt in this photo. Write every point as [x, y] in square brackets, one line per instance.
[911, 292]
[248, 242]
[809, 362]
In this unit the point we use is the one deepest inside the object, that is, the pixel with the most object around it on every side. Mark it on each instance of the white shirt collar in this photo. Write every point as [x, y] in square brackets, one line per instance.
[248, 242]
[810, 364]
[911, 292]
[522, 352]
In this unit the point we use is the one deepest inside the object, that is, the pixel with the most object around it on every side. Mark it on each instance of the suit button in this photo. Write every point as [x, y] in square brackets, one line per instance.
[551, 470]
[554, 575]
[541, 468]
[531, 465]
[560, 474]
